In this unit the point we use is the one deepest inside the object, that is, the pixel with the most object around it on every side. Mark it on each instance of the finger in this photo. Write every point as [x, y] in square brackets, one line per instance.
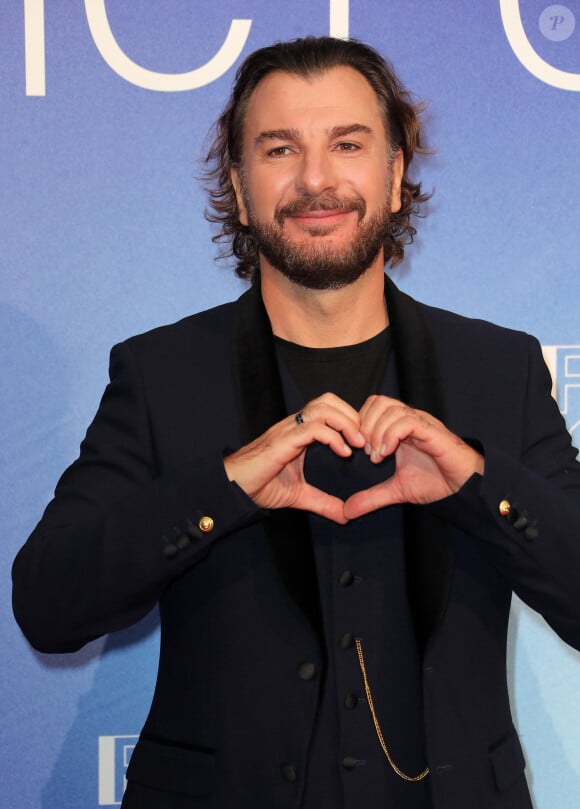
[375, 407]
[341, 420]
[334, 401]
[394, 426]
[330, 403]
[400, 423]
[303, 435]
[318, 502]
[377, 403]
[379, 496]
[378, 422]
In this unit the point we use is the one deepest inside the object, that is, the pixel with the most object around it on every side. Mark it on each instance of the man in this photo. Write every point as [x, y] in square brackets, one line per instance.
[331, 507]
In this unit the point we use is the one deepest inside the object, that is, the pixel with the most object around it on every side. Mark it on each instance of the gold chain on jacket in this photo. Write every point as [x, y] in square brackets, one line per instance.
[381, 738]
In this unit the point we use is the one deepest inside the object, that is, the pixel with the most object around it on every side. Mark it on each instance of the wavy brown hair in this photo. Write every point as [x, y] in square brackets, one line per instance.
[305, 57]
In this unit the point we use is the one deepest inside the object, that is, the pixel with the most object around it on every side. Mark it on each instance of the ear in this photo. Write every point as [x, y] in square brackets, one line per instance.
[237, 184]
[397, 171]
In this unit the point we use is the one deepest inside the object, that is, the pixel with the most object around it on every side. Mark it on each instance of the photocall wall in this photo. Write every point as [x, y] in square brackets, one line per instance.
[105, 111]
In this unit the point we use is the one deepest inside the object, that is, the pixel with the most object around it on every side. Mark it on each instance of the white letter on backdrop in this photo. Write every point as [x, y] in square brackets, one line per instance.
[338, 22]
[530, 59]
[34, 63]
[164, 82]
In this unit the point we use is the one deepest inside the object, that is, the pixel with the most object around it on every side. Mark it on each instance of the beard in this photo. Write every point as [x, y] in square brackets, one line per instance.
[321, 265]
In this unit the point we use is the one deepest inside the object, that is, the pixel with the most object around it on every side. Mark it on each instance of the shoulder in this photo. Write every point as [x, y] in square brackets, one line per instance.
[451, 332]
[178, 353]
[470, 348]
[493, 378]
[471, 354]
[209, 322]
[463, 337]
[180, 368]
[204, 332]
[490, 368]
[453, 327]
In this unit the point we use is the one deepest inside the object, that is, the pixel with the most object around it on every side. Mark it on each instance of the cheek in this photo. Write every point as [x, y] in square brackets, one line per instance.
[265, 193]
[371, 182]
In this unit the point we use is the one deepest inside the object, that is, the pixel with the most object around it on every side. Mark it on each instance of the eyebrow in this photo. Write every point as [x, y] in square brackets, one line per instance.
[294, 134]
[350, 129]
[277, 134]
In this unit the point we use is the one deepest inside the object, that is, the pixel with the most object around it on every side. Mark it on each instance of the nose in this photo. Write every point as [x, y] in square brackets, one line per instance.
[317, 173]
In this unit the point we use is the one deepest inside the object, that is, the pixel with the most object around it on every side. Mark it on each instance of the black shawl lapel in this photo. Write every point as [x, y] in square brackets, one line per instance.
[428, 545]
[256, 366]
[262, 405]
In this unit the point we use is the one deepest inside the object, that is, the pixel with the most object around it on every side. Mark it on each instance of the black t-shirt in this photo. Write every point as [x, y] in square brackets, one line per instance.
[351, 372]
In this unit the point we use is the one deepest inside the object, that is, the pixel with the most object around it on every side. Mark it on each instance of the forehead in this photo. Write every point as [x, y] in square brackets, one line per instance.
[339, 96]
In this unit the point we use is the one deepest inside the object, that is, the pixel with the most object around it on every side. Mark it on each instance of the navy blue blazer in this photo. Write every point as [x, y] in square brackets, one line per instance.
[234, 707]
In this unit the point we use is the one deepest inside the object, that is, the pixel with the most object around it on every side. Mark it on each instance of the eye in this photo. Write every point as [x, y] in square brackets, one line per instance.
[347, 146]
[279, 151]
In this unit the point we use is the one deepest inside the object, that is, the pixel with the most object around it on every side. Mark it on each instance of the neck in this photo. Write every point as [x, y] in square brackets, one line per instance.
[325, 318]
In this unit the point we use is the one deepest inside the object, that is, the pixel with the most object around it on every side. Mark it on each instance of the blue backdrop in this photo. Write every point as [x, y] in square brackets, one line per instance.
[105, 111]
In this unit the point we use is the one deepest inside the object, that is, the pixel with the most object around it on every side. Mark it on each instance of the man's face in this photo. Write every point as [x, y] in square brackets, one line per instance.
[318, 181]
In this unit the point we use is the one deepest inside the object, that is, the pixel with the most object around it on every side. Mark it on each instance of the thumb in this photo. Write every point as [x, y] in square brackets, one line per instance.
[383, 494]
[325, 505]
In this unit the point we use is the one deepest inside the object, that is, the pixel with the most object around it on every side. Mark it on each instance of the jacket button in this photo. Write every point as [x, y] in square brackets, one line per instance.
[346, 578]
[347, 641]
[350, 762]
[504, 508]
[306, 671]
[350, 701]
[520, 523]
[205, 525]
[170, 550]
[288, 772]
[531, 532]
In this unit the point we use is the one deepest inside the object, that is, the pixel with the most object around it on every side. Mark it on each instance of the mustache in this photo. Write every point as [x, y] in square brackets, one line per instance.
[326, 202]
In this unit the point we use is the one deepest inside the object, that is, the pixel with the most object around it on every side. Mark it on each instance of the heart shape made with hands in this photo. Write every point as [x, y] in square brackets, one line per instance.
[427, 461]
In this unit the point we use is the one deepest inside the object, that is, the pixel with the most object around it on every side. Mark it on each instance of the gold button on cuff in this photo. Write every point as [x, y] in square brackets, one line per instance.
[205, 525]
[504, 508]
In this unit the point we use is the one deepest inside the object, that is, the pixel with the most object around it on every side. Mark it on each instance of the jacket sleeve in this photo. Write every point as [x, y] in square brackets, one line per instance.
[526, 510]
[118, 531]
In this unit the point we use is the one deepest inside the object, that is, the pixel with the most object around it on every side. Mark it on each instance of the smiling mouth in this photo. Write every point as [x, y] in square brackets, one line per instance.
[325, 210]
[320, 217]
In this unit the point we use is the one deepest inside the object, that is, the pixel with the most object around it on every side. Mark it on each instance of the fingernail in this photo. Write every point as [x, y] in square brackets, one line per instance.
[368, 449]
[383, 450]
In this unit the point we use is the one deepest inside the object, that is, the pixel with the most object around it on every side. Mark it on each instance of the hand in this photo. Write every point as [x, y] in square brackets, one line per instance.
[271, 469]
[430, 461]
